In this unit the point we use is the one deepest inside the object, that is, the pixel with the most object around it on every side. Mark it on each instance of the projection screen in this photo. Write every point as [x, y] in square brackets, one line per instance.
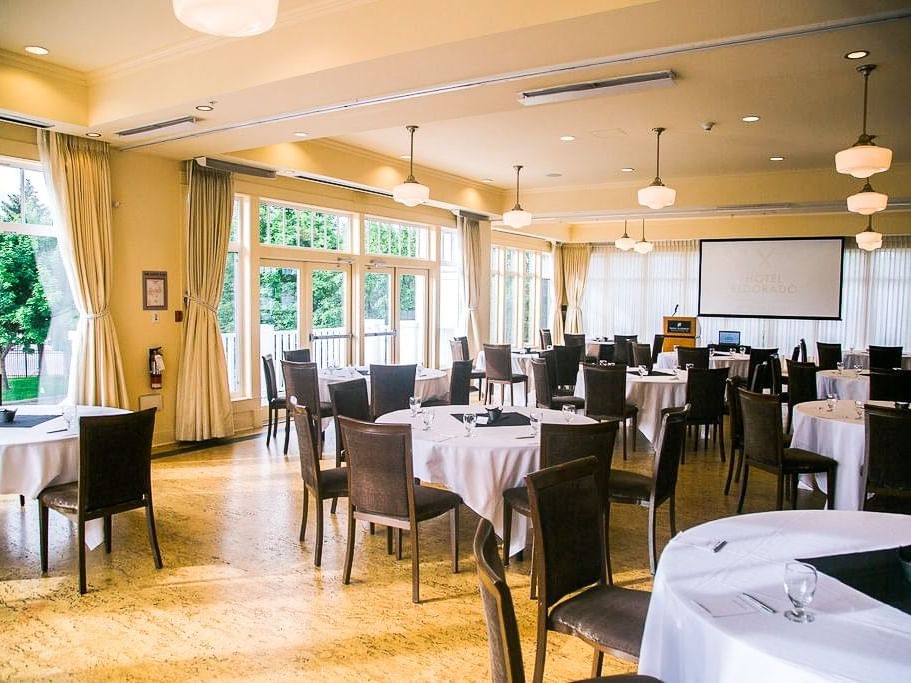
[771, 278]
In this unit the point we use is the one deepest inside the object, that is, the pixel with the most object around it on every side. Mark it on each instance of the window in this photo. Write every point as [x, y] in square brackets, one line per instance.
[229, 309]
[452, 308]
[521, 296]
[37, 314]
[390, 238]
[291, 225]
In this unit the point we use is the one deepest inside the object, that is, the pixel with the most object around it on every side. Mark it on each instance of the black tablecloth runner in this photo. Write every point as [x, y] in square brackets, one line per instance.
[506, 420]
[22, 421]
[652, 373]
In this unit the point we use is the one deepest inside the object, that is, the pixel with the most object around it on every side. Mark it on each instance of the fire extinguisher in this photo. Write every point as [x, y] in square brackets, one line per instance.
[156, 367]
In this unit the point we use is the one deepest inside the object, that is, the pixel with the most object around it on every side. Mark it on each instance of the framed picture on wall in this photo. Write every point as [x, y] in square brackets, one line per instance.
[154, 290]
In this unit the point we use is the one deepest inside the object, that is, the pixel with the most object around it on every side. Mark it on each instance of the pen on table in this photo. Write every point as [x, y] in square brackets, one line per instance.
[759, 603]
[718, 546]
[55, 431]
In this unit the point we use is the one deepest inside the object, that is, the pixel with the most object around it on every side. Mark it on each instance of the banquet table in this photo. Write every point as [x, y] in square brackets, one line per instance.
[848, 384]
[861, 358]
[739, 363]
[480, 467]
[429, 383]
[699, 629]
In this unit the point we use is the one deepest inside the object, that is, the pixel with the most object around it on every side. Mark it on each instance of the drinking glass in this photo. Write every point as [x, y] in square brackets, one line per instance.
[742, 350]
[857, 368]
[840, 367]
[534, 421]
[831, 401]
[602, 363]
[859, 409]
[689, 366]
[643, 370]
[427, 416]
[468, 420]
[800, 586]
[569, 412]
[711, 351]
[414, 403]
[69, 417]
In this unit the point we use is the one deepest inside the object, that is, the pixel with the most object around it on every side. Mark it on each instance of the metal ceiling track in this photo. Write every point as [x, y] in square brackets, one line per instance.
[626, 58]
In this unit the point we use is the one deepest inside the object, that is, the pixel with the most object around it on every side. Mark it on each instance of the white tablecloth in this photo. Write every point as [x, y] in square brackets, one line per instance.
[479, 468]
[848, 384]
[428, 384]
[854, 638]
[862, 358]
[739, 363]
[521, 363]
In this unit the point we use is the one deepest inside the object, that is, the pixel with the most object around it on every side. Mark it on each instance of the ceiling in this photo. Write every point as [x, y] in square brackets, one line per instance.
[356, 71]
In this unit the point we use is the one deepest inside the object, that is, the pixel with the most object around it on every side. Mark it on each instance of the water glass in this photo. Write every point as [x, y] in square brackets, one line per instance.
[534, 421]
[70, 417]
[800, 586]
[840, 367]
[569, 412]
[711, 351]
[742, 350]
[689, 366]
[859, 409]
[468, 420]
[831, 401]
[427, 416]
[602, 363]
[643, 370]
[414, 403]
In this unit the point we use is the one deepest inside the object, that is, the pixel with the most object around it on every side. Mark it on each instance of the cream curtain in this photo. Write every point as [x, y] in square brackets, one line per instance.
[556, 325]
[203, 397]
[470, 237]
[575, 269]
[78, 174]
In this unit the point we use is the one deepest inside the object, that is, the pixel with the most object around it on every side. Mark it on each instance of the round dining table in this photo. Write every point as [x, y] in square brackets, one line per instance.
[847, 384]
[861, 358]
[739, 363]
[704, 623]
[429, 383]
[481, 466]
[521, 362]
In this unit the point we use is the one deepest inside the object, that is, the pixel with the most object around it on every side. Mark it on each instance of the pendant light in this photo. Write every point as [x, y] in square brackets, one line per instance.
[233, 18]
[517, 217]
[864, 158]
[657, 195]
[643, 246]
[867, 201]
[626, 242]
[869, 239]
[411, 192]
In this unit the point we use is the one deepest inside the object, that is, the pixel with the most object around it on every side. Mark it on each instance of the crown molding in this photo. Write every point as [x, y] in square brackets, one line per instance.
[43, 68]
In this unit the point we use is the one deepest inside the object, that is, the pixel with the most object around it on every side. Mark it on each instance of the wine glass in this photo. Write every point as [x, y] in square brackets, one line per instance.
[414, 404]
[711, 351]
[689, 366]
[468, 420]
[427, 416]
[800, 586]
[840, 367]
[534, 421]
[643, 370]
[831, 401]
[859, 409]
[569, 412]
[69, 417]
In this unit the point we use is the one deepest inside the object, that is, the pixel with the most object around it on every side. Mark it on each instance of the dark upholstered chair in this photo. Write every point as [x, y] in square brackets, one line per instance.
[803, 350]
[886, 357]
[115, 475]
[302, 382]
[621, 343]
[827, 355]
[890, 385]
[705, 394]
[657, 347]
[801, 386]
[606, 352]
[322, 484]
[698, 356]
[382, 490]
[545, 394]
[458, 347]
[499, 613]
[390, 387]
[459, 386]
[348, 399]
[560, 443]
[546, 337]
[274, 401]
[567, 360]
[605, 397]
[642, 355]
[498, 361]
[888, 456]
[735, 463]
[760, 375]
[297, 355]
[763, 448]
[652, 491]
[574, 339]
[568, 511]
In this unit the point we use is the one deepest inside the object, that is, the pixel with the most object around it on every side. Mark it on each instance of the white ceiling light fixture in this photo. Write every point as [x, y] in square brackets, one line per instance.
[867, 201]
[864, 158]
[657, 195]
[626, 242]
[36, 50]
[643, 246]
[231, 18]
[411, 192]
[517, 217]
[869, 239]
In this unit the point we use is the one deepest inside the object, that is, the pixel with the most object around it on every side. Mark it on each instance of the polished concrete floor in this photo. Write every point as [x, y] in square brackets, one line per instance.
[239, 597]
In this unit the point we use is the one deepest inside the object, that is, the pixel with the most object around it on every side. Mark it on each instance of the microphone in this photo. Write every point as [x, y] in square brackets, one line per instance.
[676, 306]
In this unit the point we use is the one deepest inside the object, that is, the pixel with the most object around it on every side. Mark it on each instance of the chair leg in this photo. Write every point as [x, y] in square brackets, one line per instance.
[42, 534]
[597, 663]
[743, 486]
[333, 508]
[107, 534]
[153, 534]
[415, 564]
[318, 552]
[793, 487]
[540, 646]
[454, 537]
[533, 579]
[83, 587]
[398, 544]
[831, 480]
[389, 548]
[304, 513]
[349, 546]
[487, 394]
[720, 438]
[779, 492]
[635, 429]
[507, 531]
[269, 427]
[672, 514]
[624, 427]
[21, 500]
[652, 543]
[287, 430]
[727, 482]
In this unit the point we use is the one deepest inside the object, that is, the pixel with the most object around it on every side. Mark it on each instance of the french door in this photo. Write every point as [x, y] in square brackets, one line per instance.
[395, 315]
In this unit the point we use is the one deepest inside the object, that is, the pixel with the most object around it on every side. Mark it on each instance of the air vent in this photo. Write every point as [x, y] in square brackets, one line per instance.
[20, 121]
[152, 127]
[609, 86]
[234, 167]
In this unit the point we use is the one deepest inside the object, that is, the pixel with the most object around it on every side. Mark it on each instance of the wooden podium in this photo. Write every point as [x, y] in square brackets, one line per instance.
[678, 331]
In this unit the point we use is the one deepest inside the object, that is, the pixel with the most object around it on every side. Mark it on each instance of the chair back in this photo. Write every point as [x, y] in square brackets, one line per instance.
[668, 452]
[757, 358]
[463, 342]
[734, 384]
[574, 339]
[459, 382]
[642, 355]
[502, 628]
[307, 442]
[567, 359]
[457, 350]
[498, 362]
[620, 347]
[302, 382]
[705, 393]
[269, 375]
[828, 355]
[349, 399]
[379, 467]
[888, 450]
[795, 354]
[390, 387]
[115, 461]
[606, 353]
[801, 382]
[297, 355]
[763, 441]
[605, 391]
[567, 514]
[698, 356]
[657, 347]
[547, 339]
[803, 350]
[890, 385]
[887, 357]
[565, 442]
[543, 390]
[550, 360]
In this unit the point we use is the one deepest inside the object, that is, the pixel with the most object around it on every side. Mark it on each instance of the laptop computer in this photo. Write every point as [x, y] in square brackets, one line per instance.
[728, 338]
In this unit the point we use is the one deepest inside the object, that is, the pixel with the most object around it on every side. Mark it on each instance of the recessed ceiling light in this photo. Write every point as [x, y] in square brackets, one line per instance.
[301, 133]
[93, 135]
[554, 175]
[857, 54]
[36, 50]
[750, 118]
[776, 158]
[486, 180]
[567, 138]
[627, 169]
[205, 107]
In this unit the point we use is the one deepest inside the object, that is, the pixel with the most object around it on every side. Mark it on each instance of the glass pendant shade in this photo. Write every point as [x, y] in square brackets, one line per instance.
[626, 242]
[643, 246]
[233, 18]
[867, 201]
[863, 160]
[411, 193]
[657, 195]
[869, 239]
[517, 218]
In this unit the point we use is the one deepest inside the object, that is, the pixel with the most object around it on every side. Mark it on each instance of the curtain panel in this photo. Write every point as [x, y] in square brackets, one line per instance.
[556, 324]
[203, 396]
[470, 237]
[575, 270]
[78, 177]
